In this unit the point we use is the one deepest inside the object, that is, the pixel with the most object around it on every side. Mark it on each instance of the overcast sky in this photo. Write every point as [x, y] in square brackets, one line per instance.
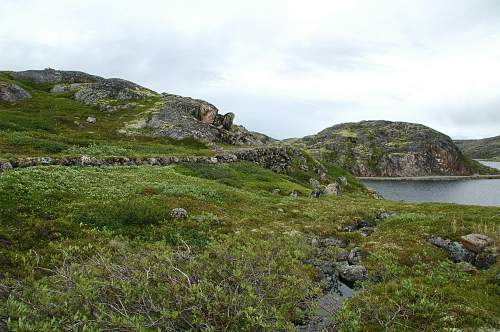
[285, 68]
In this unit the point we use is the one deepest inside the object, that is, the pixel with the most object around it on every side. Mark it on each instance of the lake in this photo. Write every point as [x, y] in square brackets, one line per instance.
[484, 192]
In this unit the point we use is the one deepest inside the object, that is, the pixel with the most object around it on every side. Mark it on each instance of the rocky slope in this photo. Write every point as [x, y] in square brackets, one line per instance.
[486, 148]
[169, 115]
[384, 148]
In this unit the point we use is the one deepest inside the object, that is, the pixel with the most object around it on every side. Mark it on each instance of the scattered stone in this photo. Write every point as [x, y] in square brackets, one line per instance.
[456, 251]
[293, 194]
[476, 242]
[343, 243]
[342, 180]
[280, 210]
[353, 273]
[366, 231]
[354, 257]
[315, 185]
[468, 267]
[91, 119]
[5, 165]
[332, 189]
[12, 93]
[342, 256]
[276, 191]
[179, 213]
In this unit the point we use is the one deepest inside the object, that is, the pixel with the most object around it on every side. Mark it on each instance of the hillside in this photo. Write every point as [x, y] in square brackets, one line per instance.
[122, 209]
[384, 148]
[486, 148]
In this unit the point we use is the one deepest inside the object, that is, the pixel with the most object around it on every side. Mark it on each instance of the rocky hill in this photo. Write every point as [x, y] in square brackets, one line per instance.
[486, 148]
[384, 148]
[167, 115]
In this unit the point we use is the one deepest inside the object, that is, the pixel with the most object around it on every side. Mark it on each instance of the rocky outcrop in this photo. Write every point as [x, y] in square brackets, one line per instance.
[12, 93]
[52, 76]
[181, 117]
[88, 89]
[384, 148]
[475, 249]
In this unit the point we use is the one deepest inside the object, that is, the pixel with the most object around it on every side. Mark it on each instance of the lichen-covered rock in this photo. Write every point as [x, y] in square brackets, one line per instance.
[384, 148]
[456, 251]
[111, 89]
[12, 93]
[332, 189]
[179, 213]
[476, 242]
[354, 257]
[353, 273]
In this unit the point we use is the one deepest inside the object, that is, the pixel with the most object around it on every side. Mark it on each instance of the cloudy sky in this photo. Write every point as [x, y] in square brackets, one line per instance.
[285, 68]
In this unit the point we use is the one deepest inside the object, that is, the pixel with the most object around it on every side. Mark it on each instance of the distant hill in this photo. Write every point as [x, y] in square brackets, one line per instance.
[385, 148]
[486, 148]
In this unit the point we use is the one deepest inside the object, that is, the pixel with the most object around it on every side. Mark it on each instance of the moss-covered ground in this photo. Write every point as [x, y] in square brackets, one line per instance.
[90, 249]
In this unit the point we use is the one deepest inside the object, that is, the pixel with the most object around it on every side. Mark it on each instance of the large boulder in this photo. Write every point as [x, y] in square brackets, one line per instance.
[476, 242]
[12, 93]
[456, 251]
[352, 273]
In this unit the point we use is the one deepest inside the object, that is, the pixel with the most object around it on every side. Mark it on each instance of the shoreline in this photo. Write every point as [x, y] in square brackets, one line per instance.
[430, 178]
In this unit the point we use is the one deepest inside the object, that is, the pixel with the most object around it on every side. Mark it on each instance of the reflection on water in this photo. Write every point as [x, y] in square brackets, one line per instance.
[474, 192]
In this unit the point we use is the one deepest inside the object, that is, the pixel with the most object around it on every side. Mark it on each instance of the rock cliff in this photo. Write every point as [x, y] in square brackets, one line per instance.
[384, 148]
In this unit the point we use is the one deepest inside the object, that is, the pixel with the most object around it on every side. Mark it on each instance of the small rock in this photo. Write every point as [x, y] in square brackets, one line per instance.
[342, 180]
[280, 210]
[353, 273]
[332, 189]
[342, 256]
[343, 243]
[476, 242]
[354, 257]
[366, 231]
[5, 165]
[468, 267]
[179, 213]
[276, 191]
[293, 194]
[329, 241]
[91, 119]
[350, 227]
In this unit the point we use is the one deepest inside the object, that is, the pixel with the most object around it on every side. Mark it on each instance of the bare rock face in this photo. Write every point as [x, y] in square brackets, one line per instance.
[182, 117]
[384, 148]
[12, 93]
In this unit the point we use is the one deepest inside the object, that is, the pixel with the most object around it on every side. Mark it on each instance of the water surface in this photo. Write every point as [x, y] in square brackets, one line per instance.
[492, 164]
[474, 192]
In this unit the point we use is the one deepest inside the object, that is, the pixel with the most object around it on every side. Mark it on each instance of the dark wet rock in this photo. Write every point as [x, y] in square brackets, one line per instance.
[12, 93]
[456, 251]
[179, 213]
[476, 242]
[486, 259]
[352, 273]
